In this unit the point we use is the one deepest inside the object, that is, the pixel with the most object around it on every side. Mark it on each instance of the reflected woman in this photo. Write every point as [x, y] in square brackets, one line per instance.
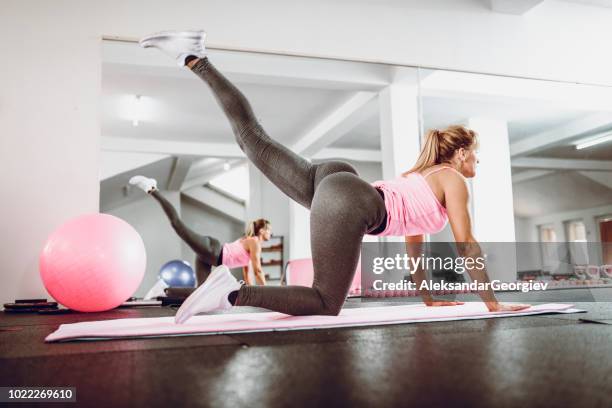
[209, 251]
[343, 207]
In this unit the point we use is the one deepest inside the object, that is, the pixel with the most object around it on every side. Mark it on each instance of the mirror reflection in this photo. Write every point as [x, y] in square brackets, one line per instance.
[543, 173]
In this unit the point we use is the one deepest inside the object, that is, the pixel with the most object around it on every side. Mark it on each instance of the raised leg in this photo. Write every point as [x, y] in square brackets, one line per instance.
[207, 248]
[291, 173]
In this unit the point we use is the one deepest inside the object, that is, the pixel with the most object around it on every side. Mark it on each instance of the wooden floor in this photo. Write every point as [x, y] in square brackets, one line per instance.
[532, 361]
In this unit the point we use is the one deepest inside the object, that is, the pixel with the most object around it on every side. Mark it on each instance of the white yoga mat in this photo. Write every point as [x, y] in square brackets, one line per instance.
[272, 321]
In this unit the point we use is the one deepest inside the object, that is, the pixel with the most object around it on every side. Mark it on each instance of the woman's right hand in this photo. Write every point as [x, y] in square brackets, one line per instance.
[435, 303]
[501, 307]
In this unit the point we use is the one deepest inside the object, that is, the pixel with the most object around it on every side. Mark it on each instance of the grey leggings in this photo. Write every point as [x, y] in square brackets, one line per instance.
[207, 249]
[342, 206]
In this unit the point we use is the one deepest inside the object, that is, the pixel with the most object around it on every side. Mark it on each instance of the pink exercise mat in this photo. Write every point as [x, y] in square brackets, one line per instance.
[272, 321]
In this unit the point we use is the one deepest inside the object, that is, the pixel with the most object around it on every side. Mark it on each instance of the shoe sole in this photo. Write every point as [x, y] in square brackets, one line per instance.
[166, 35]
[188, 313]
[210, 283]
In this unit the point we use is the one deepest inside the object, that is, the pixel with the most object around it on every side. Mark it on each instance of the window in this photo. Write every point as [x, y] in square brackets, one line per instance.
[548, 250]
[547, 233]
[575, 231]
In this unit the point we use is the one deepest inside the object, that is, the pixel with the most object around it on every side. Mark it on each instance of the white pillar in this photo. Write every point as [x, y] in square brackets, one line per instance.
[254, 203]
[399, 122]
[491, 198]
[493, 209]
[399, 125]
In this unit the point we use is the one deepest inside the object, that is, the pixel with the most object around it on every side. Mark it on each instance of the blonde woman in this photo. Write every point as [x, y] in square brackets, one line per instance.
[209, 251]
[343, 207]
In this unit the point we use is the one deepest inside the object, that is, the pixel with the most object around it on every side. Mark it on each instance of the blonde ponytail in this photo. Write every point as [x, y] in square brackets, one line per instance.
[256, 225]
[440, 146]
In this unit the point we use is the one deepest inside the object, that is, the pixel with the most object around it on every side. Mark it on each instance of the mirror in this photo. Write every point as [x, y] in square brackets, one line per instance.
[533, 185]
[545, 168]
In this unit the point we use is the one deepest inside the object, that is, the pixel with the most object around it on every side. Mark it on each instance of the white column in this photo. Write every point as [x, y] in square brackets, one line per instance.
[399, 122]
[492, 187]
[492, 205]
[399, 125]
[254, 203]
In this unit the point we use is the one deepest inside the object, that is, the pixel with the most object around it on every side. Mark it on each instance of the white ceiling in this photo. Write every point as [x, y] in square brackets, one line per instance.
[183, 109]
[600, 3]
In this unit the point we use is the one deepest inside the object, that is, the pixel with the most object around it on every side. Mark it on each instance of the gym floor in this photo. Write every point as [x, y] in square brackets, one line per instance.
[533, 361]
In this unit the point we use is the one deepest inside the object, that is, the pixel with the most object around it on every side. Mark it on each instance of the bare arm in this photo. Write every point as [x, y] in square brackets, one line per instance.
[255, 252]
[457, 198]
[414, 245]
[414, 249]
[245, 275]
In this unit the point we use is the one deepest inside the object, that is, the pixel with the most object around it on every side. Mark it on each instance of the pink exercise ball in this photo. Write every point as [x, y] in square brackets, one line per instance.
[93, 263]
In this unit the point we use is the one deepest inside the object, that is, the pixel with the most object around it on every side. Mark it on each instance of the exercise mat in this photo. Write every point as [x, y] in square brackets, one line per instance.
[228, 323]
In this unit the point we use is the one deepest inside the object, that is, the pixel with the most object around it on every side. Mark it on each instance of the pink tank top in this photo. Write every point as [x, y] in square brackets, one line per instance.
[234, 254]
[412, 207]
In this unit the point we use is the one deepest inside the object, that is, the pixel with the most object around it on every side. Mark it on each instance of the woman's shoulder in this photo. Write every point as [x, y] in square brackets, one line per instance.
[250, 240]
[442, 172]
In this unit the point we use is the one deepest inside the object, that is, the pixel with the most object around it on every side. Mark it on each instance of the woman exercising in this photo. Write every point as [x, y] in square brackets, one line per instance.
[209, 251]
[343, 207]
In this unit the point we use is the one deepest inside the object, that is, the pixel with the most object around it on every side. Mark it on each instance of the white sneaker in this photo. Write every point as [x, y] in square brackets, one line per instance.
[211, 295]
[177, 44]
[148, 185]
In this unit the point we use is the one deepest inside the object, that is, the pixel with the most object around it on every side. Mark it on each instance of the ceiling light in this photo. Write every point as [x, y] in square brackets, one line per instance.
[583, 144]
[137, 110]
[226, 166]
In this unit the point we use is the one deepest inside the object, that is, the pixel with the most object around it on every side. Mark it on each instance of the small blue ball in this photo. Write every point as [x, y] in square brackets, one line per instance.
[178, 273]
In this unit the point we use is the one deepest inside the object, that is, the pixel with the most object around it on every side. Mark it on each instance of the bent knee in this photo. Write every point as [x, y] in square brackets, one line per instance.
[330, 307]
[333, 310]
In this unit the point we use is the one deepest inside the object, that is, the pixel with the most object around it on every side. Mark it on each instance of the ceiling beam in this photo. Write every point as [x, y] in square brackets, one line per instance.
[205, 175]
[561, 134]
[203, 164]
[217, 201]
[561, 164]
[175, 148]
[362, 155]
[114, 163]
[517, 7]
[179, 172]
[335, 125]
[601, 177]
[529, 175]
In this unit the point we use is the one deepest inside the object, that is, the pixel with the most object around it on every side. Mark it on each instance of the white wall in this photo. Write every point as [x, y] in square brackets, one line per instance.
[267, 201]
[589, 216]
[525, 230]
[49, 131]
[458, 34]
[50, 81]
[530, 253]
[528, 229]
